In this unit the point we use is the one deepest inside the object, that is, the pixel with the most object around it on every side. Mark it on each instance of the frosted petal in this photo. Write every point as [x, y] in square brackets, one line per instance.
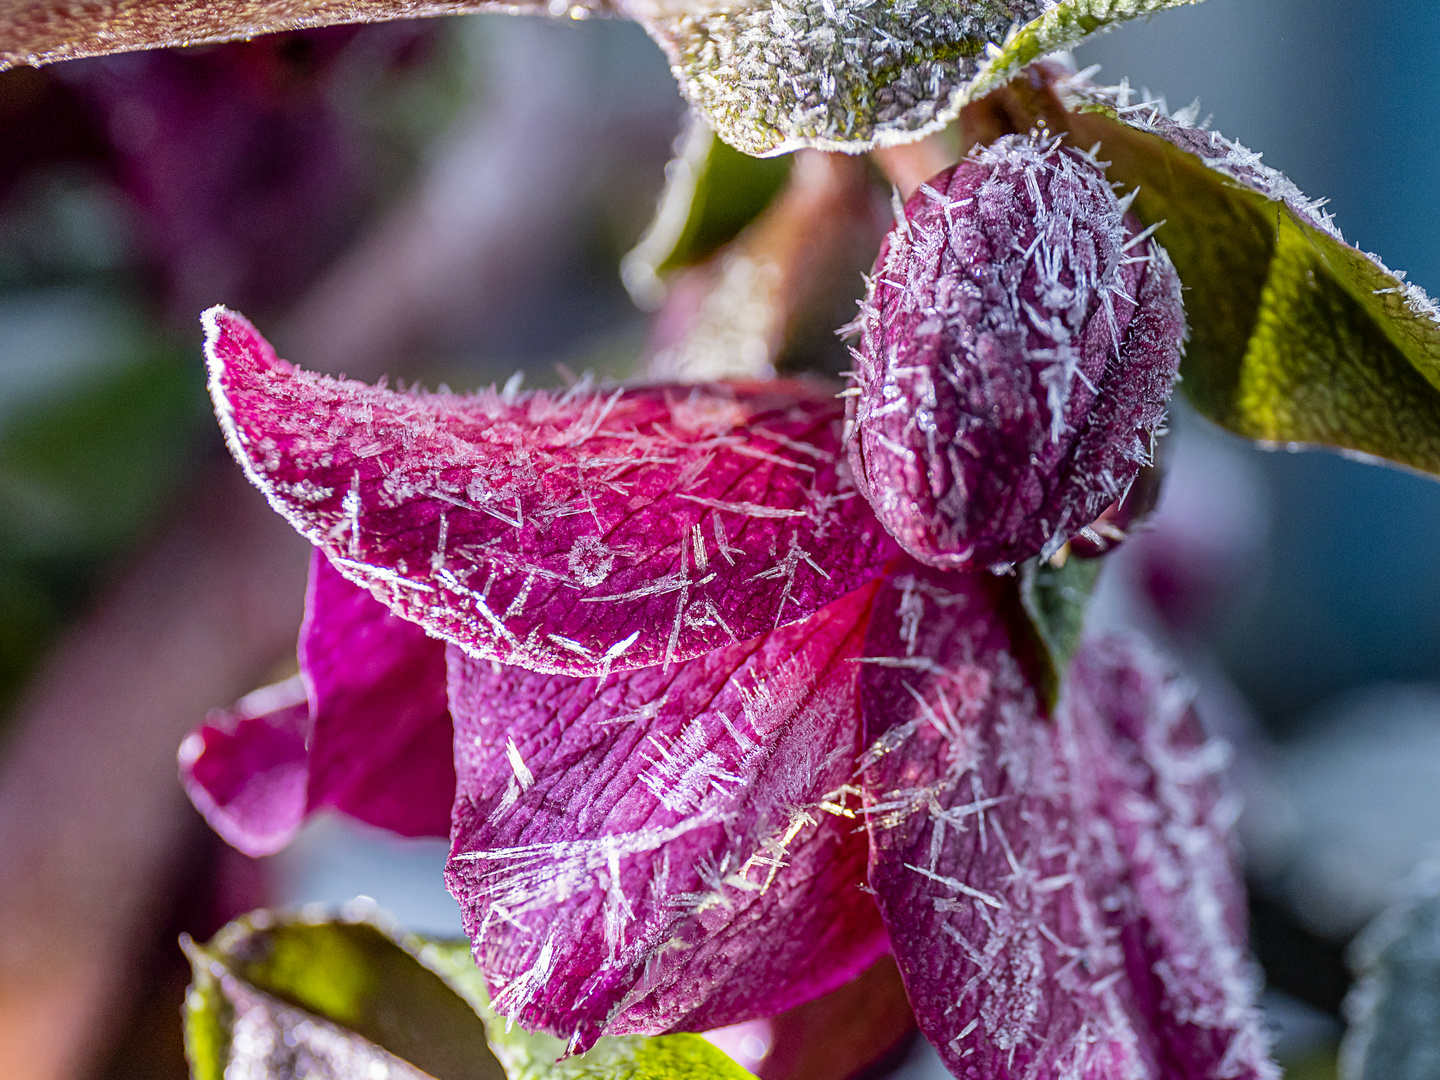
[1036, 874]
[1157, 785]
[572, 533]
[1017, 348]
[381, 748]
[647, 851]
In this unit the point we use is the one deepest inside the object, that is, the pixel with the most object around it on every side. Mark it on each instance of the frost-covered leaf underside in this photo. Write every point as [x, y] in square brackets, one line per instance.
[852, 74]
[43, 31]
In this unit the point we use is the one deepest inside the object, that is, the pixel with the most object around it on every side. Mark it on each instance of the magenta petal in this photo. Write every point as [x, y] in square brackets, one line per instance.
[1035, 873]
[382, 745]
[1171, 819]
[647, 851]
[246, 769]
[575, 533]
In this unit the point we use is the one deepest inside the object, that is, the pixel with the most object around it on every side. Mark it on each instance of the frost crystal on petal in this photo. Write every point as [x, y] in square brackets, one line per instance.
[1017, 348]
[652, 851]
[1058, 891]
[578, 532]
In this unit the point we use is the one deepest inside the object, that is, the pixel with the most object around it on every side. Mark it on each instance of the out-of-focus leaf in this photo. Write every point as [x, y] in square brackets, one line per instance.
[83, 472]
[853, 74]
[43, 31]
[289, 996]
[1054, 597]
[712, 191]
[773, 296]
[1394, 1009]
[1296, 337]
[273, 996]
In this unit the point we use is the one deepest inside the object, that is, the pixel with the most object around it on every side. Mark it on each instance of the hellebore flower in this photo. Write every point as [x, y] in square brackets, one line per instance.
[671, 624]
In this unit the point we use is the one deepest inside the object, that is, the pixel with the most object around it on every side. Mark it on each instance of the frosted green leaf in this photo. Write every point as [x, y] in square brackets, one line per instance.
[1295, 336]
[1394, 1009]
[281, 997]
[853, 74]
[352, 998]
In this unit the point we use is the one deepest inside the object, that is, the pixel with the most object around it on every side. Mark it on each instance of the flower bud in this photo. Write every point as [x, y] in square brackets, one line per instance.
[1017, 347]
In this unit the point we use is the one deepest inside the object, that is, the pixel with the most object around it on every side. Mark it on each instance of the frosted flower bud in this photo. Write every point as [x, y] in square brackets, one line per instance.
[1018, 344]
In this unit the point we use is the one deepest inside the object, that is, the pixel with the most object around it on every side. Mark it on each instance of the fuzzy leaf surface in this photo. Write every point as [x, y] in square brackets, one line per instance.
[853, 74]
[647, 851]
[575, 533]
[1296, 336]
[1057, 891]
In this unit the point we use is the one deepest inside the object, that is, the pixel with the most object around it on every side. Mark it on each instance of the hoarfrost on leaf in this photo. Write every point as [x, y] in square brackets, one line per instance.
[853, 74]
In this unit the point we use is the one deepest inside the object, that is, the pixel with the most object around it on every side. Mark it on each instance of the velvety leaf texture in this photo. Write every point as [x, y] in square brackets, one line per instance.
[580, 532]
[1058, 894]
[852, 74]
[648, 851]
[1296, 337]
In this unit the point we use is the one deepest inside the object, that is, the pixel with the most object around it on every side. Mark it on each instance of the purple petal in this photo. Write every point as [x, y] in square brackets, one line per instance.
[576, 533]
[1016, 351]
[382, 749]
[364, 729]
[1171, 817]
[647, 851]
[245, 769]
[1057, 891]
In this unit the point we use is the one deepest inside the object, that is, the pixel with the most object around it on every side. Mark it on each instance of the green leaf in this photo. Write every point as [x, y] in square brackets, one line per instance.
[853, 74]
[270, 992]
[1055, 598]
[1394, 1009]
[528, 1056]
[343, 994]
[712, 191]
[1295, 336]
